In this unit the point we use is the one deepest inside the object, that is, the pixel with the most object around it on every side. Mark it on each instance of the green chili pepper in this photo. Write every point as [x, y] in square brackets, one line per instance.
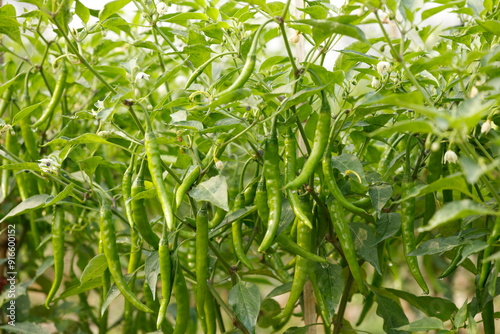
[302, 268]
[181, 294]
[154, 164]
[248, 68]
[210, 314]
[56, 97]
[332, 185]
[185, 185]
[126, 190]
[290, 167]
[133, 264]
[341, 227]
[319, 146]
[201, 262]
[261, 200]
[202, 67]
[108, 237]
[273, 185]
[453, 264]
[486, 266]
[166, 284]
[217, 218]
[58, 249]
[239, 250]
[407, 233]
[294, 248]
[139, 214]
[435, 168]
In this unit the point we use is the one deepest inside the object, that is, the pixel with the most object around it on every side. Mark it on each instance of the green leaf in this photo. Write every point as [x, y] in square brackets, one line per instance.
[412, 126]
[379, 195]
[113, 293]
[298, 330]
[67, 191]
[235, 95]
[25, 328]
[365, 243]
[344, 62]
[179, 17]
[152, 270]
[432, 306]
[214, 190]
[82, 12]
[111, 8]
[22, 166]
[347, 163]
[7, 84]
[390, 311]
[26, 112]
[244, 299]
[456, 210]
[147, 45]
[452, 182]
[29, 204]
[323, 29]
[300, 97]
[79, 288]
[331, 285]
[387, 225]
[279, 290]
[8, 23]
[423, 325]
[461, 315]
[491, 26]
[224, 125]
[94, 268]
[437, 246]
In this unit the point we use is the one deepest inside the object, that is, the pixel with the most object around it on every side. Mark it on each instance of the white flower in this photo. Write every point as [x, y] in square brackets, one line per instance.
[473, 92]
[141, 76]
[219, 164]
[450, 157]
[294, 39]
[162, 8]
[435, 146]
[99, 105]
[486, 127]
[375, 83]
[383, 68]
[49, 165]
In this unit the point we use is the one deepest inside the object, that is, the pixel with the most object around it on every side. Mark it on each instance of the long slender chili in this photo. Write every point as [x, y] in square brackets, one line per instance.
[260, 200]
[290, 167]
[319, 145]
[239, 250]
[56, 96]
[154, 164]
[181, 294]
[166, 284]
[273, 185]
[139, 214]
[185, 185]
[341, 227]
[249, 66]
[108, 238]
[201, 261]
[58, 249]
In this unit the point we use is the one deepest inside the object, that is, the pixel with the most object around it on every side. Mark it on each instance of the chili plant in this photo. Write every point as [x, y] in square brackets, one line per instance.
[249, 166]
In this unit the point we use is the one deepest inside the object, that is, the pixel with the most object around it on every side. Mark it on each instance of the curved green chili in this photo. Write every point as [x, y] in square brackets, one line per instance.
[154, 164]
[166, 284]
[453, 264]
[260, 200]
[56, 96]
[139, 214]
[341, 227]
[188, 181]
[217, 218]
[249, 66]
[290, 167]
[408, 234]
[108, 238]
[58, 249]
[201, 261]
[319, 145]
[294, 248]
[239, 250]
[273, 185]
[202, 67]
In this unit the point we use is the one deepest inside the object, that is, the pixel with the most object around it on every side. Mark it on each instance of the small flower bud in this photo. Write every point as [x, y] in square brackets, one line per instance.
[486, 127]
[435, 146]
[219, 165]
[161, 8]
[383, 68]
[49, 165]
[375, 83]
[295, 38]
[473, 92]
[450, 157]
[141, 76]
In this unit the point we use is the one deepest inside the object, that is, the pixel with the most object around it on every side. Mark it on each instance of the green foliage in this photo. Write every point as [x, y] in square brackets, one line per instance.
[339, 129]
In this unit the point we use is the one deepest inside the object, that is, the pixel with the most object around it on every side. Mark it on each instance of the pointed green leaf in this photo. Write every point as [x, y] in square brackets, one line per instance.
[423, 325]
[244, 299]
[94, 268]
[214, 190]
[29, 204]
[379, 195]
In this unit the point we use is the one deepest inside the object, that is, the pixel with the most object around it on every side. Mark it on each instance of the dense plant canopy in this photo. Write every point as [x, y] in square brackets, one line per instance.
[250, 166]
